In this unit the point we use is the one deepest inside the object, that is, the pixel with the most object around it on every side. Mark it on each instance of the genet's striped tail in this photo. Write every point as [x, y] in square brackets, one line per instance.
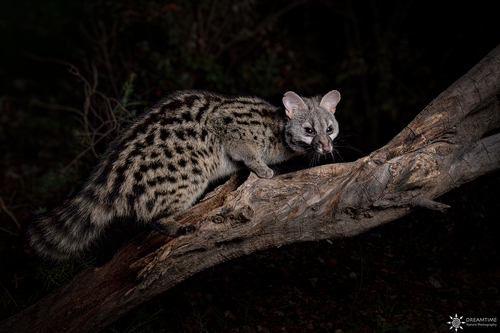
[68, 229]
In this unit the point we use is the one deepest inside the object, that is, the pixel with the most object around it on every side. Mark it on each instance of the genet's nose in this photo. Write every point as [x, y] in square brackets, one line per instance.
[327, 148]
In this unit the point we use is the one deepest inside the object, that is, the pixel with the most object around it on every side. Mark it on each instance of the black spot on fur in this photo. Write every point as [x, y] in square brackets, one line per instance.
[160, 179]
[172, 105]
[213, 98]
[202, 110]
[150, 139]
[182, 163]
[171, 167]
[164, 134]
[179, 150]
[256, 111]
[155, 165]
[120, 171]
[181, 135]
[242, 115]
[189, 100]
[197, 171]
[187, 116]
[170, 121]
[150, 204]
[164, 193]
[138, 189]
[154, 155]
[138, 176]
[227, 120]
[138, 147]
[168, 153]
[131, 199]
[191, 132]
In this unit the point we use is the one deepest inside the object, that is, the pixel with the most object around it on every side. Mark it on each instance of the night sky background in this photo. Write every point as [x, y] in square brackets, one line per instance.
[388, 59]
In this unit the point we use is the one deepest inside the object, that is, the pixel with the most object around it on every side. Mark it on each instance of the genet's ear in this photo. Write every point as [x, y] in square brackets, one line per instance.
[330, 101]
[293, 104]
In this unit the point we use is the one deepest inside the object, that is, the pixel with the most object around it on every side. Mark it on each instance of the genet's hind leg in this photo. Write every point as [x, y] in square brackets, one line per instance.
[186, 197]
[171, 228]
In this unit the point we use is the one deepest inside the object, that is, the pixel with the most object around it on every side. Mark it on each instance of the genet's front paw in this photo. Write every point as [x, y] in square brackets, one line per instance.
[185, 229]
[264, 173]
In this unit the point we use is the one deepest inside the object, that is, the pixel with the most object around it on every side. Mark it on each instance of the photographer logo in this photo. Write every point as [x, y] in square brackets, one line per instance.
[456, 323]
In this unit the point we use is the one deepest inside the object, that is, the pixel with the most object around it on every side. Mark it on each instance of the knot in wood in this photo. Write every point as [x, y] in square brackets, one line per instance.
[396, 168]
[246, 214]
[444, 150]
[218, 218]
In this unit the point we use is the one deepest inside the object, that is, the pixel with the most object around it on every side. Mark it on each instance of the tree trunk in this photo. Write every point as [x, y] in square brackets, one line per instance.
[444, 147]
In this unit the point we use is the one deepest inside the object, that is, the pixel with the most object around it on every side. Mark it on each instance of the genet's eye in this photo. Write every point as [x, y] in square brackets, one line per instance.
[309, 130]
[329, 129]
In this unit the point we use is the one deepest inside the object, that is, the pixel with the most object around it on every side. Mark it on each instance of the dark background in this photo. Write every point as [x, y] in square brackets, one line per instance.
[112, 59]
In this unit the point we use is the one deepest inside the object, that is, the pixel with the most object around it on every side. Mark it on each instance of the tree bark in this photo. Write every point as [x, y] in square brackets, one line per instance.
[445, 146]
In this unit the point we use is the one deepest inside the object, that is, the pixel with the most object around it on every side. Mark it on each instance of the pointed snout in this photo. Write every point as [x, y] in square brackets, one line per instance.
[322, 145]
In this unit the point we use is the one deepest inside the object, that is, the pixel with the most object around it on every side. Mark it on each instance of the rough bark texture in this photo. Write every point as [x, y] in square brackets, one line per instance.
[442, 148]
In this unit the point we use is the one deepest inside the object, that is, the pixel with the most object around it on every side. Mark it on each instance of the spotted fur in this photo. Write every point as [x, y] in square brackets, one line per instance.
[161, 164]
